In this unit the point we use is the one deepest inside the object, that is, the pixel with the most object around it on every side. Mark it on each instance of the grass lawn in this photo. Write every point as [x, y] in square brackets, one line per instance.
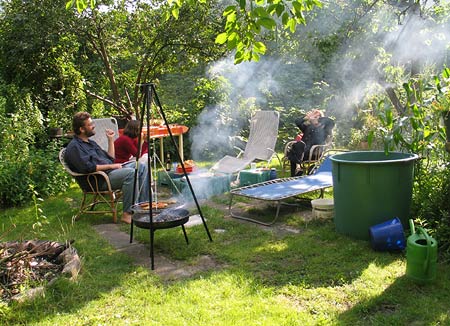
[264, 276]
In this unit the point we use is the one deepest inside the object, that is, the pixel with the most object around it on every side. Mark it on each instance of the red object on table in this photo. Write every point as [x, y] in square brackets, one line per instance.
[189, 169]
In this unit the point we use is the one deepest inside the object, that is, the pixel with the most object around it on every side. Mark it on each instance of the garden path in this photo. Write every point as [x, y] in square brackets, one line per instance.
[166, 268]
[169, 269]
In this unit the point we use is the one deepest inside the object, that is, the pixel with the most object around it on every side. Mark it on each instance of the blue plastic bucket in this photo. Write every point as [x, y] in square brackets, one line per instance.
[388, 236]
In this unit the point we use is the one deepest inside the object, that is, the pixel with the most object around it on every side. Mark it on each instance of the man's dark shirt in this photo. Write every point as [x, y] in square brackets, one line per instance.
[313, 135]
[83, 157]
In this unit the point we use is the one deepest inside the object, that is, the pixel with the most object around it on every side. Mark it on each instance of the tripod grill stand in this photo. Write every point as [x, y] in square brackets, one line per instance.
[149, 95]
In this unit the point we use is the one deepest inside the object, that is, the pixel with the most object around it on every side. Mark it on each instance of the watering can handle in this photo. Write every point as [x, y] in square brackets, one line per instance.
[427, 261]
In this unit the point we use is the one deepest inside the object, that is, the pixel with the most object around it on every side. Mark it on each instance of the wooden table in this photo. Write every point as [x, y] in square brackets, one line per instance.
[161, 132]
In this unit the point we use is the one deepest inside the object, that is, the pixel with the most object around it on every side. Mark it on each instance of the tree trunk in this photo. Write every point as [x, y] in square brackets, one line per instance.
[395, 100]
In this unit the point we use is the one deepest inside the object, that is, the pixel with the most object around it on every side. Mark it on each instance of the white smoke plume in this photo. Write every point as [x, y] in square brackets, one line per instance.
[245, 87]
[356, 72]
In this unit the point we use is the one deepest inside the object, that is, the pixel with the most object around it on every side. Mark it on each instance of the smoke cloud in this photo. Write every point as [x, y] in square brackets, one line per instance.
[356, 72]
[245, 87]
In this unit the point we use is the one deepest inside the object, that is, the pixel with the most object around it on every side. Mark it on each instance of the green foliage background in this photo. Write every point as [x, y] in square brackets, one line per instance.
[26, 166]
[54, 62]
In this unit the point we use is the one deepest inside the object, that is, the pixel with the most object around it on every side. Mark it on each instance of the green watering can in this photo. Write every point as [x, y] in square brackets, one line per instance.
[421, 255]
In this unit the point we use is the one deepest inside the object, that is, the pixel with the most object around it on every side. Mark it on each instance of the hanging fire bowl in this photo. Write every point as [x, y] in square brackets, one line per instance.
[162, 219]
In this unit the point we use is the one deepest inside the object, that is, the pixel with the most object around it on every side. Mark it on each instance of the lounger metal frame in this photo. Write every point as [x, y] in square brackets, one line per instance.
[285, 188]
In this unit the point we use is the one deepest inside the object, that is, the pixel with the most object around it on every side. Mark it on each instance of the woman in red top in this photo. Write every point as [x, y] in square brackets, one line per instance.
[126, 146]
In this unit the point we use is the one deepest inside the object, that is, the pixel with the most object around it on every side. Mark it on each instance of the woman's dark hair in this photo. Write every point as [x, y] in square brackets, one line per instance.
[132, 129]
[78, 121]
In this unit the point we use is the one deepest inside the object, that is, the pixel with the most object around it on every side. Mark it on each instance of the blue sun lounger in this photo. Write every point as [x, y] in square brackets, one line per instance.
[280, 189]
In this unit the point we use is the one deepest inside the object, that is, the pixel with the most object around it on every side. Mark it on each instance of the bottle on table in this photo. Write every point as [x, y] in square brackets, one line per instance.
[168, 163]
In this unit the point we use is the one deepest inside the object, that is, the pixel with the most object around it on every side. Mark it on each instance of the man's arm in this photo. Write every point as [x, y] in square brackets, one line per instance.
[110, 135]
[79, 160]
[105, 167]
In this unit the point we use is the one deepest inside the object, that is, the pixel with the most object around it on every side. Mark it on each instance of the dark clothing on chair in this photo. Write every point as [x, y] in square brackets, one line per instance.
[83, 157]
[296, 151]
[312, 135]
[315, 135]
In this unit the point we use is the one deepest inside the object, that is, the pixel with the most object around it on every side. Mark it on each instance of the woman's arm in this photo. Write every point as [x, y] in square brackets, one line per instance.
[302, 123]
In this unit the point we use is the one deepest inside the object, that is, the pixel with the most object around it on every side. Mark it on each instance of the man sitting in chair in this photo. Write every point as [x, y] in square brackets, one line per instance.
[84, 155]
[316, 129]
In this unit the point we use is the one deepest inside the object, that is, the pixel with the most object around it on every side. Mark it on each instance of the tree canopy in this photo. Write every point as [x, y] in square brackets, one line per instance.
[245, 22]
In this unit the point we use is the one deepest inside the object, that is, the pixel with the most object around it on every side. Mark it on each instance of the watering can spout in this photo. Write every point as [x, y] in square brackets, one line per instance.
[411, 226]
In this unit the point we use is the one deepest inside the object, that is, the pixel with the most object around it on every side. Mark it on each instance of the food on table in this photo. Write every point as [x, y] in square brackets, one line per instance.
[189, 163]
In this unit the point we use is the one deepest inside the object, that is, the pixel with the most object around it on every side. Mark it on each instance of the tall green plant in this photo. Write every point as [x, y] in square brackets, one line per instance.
[26, 170]
[420, 131]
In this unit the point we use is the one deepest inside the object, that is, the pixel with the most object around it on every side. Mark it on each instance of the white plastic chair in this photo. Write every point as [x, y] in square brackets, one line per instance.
[100, 126]
[260, 145]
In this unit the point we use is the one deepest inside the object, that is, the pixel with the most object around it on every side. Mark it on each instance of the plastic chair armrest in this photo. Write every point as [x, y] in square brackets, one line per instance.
[240, 151]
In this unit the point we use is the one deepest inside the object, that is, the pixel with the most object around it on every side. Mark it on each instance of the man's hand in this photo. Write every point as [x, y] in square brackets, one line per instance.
[313, 114]
[110, 133]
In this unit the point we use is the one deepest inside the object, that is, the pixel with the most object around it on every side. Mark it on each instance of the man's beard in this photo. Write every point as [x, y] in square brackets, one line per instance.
[90, 133]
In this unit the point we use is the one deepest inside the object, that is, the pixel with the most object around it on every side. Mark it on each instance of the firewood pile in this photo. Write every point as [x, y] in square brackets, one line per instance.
[28, 264]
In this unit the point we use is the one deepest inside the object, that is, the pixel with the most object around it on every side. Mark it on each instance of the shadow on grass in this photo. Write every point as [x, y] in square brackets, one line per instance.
[404, 302]
[316, 256]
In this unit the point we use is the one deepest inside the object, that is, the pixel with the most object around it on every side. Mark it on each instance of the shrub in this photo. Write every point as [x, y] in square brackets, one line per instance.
[41, 169]
[23, 166]
[431, 206]
[417, 129]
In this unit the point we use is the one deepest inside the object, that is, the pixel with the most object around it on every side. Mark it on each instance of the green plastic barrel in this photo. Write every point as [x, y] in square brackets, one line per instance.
[371, 187]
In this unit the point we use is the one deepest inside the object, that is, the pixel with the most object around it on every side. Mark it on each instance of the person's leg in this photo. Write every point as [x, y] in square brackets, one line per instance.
[143, 175]
[296, 156]
[142, 187]
[124, 179]
[293, 168]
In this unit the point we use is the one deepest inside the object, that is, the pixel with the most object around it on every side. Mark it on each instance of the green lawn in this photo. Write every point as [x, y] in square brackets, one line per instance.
[266, 276]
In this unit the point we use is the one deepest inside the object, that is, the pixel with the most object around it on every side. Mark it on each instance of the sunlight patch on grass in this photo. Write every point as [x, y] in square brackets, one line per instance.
[278, 246]
[329, 302]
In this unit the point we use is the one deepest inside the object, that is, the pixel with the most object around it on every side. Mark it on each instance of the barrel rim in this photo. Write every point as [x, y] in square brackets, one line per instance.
[411, 157]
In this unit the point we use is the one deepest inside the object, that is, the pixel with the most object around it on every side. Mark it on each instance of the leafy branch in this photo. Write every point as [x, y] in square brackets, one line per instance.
[246, 22]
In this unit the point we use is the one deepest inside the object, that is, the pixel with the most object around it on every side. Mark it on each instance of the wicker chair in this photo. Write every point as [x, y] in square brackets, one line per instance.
[308, 163]
[92, 194]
